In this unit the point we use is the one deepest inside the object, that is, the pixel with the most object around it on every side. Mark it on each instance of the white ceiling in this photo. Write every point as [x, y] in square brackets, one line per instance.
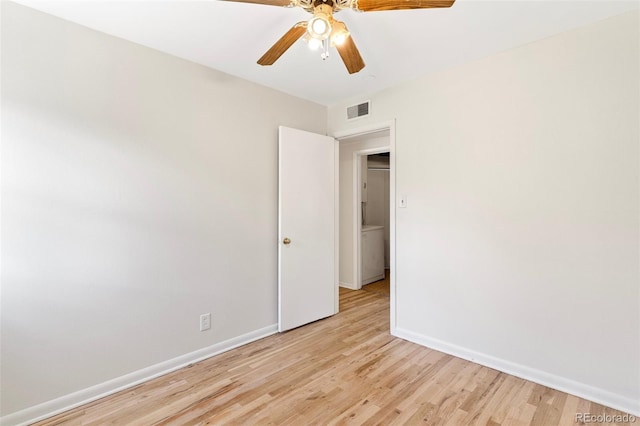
[396, 45]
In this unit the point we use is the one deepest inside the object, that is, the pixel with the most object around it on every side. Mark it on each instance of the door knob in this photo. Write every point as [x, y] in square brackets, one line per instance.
[286, 240]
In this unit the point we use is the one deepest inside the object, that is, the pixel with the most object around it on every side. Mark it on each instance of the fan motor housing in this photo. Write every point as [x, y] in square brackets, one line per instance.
[317, 3]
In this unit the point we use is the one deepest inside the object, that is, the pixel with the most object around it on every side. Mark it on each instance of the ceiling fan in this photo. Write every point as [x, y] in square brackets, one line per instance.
[322, 30]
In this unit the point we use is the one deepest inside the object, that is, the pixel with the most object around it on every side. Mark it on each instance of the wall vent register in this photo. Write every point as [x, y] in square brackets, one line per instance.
[360, 110]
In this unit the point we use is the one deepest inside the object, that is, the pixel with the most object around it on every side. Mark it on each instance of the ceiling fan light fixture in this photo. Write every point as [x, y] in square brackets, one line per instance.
[314, 43]
[319, 27]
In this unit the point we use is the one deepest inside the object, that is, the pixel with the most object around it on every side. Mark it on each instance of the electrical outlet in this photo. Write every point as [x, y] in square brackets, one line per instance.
[205, 322]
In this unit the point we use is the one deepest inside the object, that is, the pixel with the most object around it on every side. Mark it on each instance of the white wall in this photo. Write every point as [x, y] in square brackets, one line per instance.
[347, 149]
[138, 192]
[519, 247]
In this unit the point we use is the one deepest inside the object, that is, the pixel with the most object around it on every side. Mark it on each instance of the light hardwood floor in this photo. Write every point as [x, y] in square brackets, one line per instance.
[344, 369]
[382, 287]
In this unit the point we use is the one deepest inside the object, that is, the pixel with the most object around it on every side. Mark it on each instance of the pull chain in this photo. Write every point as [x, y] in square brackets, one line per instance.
[325, 46]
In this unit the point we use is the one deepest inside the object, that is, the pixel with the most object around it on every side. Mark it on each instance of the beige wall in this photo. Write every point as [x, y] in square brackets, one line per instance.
[519, 247]
[138, 192]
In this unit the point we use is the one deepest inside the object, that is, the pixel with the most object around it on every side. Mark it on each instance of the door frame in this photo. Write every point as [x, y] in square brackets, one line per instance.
[344, 135]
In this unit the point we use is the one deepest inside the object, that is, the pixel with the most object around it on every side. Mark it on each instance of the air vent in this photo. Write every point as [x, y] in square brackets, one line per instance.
[358, 111]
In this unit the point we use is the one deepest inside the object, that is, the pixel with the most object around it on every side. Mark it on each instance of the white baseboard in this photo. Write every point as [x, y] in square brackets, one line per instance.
[591, 393]
[347, 285]
[75, 399]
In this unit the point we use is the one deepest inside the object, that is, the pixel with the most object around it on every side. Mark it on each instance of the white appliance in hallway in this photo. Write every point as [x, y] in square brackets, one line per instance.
[372, 249]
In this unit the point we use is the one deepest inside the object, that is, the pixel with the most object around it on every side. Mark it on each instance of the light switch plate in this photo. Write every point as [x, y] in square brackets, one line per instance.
[403, 202]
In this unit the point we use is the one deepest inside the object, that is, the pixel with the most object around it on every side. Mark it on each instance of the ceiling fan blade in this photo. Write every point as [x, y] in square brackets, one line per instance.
[374, 5]
[350, 55]
[283, 44]
[266, 2]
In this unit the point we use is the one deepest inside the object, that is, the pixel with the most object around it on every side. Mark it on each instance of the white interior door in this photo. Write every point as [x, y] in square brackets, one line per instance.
[307, 227]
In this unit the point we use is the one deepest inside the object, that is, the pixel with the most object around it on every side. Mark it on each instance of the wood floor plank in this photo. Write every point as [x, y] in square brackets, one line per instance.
[346, 369]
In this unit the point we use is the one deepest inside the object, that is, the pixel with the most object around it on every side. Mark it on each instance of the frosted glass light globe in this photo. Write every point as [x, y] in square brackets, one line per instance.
[314, 44]
[319, 27]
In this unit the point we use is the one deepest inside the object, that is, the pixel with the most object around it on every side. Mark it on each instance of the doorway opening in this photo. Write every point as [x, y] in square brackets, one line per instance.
[355, 148]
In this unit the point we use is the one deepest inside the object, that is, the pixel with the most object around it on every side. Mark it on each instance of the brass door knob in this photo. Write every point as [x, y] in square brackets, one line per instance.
[286, 241]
